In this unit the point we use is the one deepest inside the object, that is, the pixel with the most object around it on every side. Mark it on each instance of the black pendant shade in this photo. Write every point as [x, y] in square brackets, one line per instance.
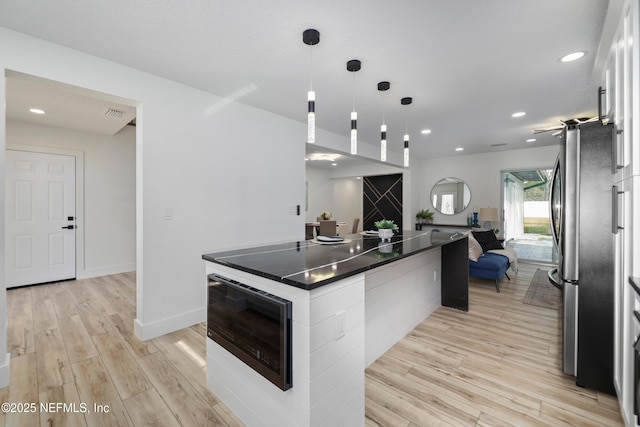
[311, 36]
[354, 65]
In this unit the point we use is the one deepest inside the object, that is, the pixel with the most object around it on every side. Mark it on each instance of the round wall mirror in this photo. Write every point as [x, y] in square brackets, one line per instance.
[450, 196]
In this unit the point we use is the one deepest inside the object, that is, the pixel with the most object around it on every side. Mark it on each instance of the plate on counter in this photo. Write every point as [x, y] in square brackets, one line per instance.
[369, 233]
[329, 241]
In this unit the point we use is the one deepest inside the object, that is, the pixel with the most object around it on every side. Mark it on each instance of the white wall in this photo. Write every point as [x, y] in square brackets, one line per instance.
[482, 172]
[347, 199]
[320, 193]
[203, 156]
[109, 223]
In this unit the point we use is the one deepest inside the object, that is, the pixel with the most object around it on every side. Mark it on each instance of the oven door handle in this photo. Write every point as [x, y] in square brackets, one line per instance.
[552, 280]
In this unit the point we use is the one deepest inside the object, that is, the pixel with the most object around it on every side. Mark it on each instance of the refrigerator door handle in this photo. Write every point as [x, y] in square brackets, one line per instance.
[615, 209]
[552, 280]
[552, 218]
[601, 116]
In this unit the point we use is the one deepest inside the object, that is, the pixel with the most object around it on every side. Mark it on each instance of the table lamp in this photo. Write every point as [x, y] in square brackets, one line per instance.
[489, 216]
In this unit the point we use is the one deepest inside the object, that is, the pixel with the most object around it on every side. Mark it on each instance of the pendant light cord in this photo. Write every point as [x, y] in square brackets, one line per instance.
[353, 86]
[311, 67]
[383, 106]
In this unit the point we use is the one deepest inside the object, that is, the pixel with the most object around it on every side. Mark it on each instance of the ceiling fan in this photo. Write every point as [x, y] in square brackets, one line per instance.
[557, 130]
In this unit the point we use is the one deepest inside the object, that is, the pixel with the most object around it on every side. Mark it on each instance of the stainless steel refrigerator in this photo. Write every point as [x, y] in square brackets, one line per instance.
[581, 217]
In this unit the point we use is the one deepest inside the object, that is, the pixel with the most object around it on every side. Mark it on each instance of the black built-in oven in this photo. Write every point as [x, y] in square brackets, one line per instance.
[253, 325]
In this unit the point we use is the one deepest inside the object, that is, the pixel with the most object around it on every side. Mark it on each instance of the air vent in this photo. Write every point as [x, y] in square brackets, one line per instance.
[112, 112]
[499, 145]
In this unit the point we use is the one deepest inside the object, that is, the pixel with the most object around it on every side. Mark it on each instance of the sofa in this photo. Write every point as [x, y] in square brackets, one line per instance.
[488, 259]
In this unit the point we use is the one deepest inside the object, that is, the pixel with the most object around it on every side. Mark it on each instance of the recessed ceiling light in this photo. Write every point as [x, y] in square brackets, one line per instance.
[519, 114]
[36, 110]
[334, 164]
[531, 140]
[425, 131]
[459, 149]
[572, 56]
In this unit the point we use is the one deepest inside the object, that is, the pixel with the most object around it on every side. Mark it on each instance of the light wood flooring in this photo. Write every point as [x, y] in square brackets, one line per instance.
[73, 342]
[499, 364]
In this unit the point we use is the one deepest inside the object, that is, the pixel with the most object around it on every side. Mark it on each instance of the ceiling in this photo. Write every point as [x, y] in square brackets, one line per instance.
[64, 106]
[467, 64]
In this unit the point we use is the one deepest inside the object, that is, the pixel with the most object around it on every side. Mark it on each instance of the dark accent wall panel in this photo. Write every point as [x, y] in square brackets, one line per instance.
[381, 199]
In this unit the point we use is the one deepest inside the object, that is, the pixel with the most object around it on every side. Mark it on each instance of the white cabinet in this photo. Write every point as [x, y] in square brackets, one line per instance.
[621, 78]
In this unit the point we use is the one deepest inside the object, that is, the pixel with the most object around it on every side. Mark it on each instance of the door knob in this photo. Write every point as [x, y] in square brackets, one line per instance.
[69, 227]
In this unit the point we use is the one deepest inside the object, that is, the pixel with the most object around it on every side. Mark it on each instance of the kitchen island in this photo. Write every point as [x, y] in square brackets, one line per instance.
[350, 302]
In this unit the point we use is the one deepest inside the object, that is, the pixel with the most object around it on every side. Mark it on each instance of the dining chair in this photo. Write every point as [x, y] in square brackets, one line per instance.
[328, 228]
[356, 221]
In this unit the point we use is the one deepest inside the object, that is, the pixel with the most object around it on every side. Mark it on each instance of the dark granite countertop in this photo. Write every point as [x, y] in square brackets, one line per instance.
[309, 265]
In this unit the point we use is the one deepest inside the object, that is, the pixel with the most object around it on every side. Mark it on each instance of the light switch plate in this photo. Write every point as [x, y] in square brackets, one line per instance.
[168, 213]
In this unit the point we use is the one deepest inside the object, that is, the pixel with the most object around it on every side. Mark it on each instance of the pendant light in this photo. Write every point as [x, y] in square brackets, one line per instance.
[353, 66]
[383, 87]
[311, 37]
[406, 101]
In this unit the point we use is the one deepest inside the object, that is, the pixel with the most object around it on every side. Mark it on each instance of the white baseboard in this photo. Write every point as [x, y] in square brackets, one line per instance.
[5, 371]
[105, 271]
[170, 324]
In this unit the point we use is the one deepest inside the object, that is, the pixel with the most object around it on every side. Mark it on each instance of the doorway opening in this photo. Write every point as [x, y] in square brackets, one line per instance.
[525, 203]
[97, 132]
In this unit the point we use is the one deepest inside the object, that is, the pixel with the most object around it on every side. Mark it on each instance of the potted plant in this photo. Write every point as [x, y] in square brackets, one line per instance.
[386, 227]
[425, 216]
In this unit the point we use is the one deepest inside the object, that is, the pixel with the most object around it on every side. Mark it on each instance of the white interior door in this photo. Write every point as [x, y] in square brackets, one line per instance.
[40, 218]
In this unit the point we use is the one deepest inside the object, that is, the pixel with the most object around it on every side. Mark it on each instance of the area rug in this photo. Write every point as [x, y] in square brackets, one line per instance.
[541, 293]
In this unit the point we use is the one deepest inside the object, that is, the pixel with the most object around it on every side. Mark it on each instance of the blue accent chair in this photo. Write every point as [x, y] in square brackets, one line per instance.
[490, 266]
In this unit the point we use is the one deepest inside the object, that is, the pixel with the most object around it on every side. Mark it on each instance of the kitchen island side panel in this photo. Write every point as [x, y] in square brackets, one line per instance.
[328, 369]
[398, 296]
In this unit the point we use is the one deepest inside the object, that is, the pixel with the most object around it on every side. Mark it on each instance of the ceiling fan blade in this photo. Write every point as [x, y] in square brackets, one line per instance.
[551, 129]
[558, 129]
[588, 120]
